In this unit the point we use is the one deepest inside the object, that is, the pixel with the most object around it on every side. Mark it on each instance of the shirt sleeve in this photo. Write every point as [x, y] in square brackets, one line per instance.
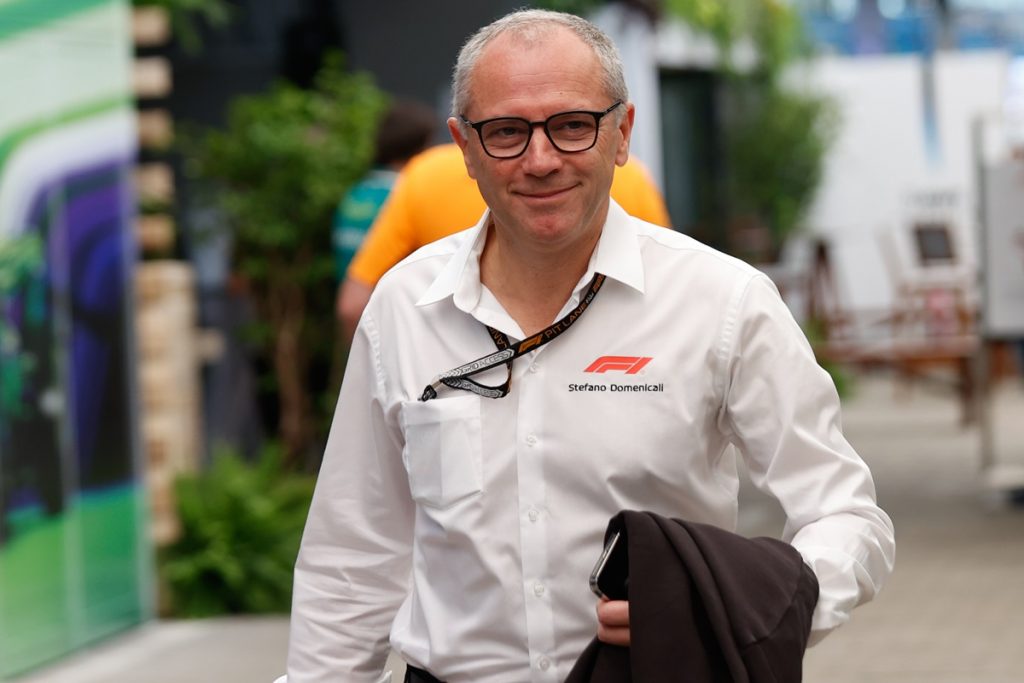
[352, 571]
[783, 413]
[390, 239]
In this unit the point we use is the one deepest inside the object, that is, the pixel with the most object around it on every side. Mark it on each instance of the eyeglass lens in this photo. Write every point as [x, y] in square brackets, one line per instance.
[570, 132]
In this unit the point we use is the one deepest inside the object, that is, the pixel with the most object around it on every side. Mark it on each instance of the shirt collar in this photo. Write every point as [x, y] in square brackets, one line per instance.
[618, 251]
[460, 277]
[617, 256]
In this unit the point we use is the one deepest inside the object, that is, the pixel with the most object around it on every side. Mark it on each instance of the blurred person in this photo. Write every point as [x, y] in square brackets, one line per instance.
[462, 520]
[404, 132]
[433, 198]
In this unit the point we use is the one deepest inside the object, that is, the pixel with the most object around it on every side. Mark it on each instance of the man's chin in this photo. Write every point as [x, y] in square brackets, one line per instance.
[556, 231]
[548, 225]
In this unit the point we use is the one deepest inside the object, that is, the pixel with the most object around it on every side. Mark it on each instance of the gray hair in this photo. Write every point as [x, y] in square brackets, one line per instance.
[530, 25]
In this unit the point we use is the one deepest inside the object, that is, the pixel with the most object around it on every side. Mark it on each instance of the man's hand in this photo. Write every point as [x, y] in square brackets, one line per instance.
[613, 622]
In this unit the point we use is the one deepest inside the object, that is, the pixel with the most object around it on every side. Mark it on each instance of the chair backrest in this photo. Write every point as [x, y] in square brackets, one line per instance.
[933, 242]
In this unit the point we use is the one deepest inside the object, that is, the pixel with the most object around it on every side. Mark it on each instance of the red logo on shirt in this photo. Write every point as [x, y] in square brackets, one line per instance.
[627, 364]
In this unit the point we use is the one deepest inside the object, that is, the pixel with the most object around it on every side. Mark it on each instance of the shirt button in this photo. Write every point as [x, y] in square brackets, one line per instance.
[544, 663]
[531, 439]
[538, 589]
[534, 515]
[534, 368]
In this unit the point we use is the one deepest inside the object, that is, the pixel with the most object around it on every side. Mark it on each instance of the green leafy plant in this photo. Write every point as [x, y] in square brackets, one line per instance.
[776, 149]
[19, 258]
[723, 21]
[241, 524]
[187, 15]
[776, 138]
[773, 28]
[278, 170]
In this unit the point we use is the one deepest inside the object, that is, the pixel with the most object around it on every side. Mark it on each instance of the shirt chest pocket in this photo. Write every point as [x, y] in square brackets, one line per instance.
[442, 453]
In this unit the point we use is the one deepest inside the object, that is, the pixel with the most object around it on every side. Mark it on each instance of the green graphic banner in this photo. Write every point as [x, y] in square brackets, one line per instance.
[74, 554]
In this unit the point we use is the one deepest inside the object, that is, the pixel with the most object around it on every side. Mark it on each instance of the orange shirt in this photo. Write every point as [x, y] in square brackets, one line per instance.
[435, 197]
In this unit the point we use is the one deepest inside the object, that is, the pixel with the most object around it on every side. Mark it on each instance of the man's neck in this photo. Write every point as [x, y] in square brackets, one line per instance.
[533, 284]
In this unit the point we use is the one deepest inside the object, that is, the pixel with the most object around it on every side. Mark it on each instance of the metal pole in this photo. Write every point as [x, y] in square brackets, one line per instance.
[982, 361]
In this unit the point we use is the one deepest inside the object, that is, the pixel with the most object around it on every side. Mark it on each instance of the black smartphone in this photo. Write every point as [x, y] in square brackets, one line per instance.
[610, 578]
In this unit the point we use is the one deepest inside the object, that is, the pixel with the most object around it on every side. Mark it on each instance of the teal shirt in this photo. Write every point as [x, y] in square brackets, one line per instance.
[355, 214]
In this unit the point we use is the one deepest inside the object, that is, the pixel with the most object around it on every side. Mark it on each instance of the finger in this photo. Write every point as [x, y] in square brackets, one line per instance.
[613, 622]
[613, 635]
[613, 613]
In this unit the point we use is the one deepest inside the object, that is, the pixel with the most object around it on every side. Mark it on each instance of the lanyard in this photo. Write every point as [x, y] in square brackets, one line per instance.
[459, 378]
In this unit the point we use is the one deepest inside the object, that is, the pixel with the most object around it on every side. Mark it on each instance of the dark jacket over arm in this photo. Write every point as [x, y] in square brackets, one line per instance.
[706, 605]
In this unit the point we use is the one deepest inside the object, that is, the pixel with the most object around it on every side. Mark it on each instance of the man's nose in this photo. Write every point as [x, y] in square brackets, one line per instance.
[541, 156]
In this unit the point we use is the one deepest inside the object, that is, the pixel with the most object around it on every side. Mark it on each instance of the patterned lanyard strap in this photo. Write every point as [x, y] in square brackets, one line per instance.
[459, 378]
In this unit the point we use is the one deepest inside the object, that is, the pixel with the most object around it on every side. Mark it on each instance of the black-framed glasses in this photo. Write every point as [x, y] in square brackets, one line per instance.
[507, 137]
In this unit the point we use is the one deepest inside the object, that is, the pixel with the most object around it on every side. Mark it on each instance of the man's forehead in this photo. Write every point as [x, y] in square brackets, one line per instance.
[558, 54]
[532, 38]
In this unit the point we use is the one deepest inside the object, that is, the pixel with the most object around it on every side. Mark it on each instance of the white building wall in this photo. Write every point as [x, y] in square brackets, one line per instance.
[881, 158]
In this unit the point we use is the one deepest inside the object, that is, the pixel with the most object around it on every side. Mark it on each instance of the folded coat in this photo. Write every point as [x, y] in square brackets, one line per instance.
[706, 605]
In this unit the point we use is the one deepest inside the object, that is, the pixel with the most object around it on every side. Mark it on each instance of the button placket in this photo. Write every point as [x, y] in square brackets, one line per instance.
[533, 532]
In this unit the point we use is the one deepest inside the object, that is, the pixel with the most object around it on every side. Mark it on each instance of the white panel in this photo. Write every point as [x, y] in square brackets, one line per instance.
[879, 161]
[1003, 250]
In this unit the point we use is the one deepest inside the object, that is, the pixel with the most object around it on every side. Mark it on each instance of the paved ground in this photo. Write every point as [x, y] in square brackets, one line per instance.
[953, 611]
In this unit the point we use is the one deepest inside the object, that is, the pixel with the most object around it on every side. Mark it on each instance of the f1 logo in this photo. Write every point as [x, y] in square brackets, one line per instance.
[627, 364]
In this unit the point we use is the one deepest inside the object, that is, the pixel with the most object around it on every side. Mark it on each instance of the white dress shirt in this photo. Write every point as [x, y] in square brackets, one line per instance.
[466, 527]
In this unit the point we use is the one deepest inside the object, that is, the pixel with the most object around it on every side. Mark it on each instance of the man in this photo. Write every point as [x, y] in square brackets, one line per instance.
[465, 522]
[435, 197]
[404, 131]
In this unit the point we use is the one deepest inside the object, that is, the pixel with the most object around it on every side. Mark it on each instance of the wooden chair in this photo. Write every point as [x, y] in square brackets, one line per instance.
[932, 322]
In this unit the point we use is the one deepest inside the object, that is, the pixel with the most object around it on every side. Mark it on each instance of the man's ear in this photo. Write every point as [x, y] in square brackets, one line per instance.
[460, 139]
[626, 129]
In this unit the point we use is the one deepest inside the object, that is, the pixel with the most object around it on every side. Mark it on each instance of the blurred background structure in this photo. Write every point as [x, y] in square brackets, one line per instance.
[168, 174]
[75, 564]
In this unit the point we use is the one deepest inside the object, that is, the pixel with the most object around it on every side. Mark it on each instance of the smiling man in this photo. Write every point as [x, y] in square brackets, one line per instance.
[548, 198]
[512, 387]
